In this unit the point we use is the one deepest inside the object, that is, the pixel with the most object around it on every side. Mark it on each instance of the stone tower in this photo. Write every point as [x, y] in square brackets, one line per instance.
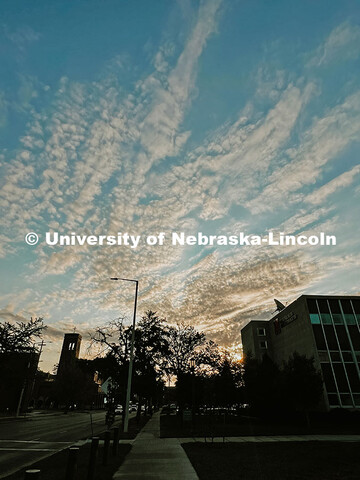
[70, 351]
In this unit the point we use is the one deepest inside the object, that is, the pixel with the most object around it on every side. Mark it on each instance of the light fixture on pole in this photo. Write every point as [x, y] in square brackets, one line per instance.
[128, 390]
[192, 369]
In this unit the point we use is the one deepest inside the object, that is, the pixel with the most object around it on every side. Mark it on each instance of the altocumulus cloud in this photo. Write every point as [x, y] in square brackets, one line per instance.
[102, 158]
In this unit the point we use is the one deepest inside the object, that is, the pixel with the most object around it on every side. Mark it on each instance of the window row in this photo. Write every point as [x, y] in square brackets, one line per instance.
[334, 311]
[337, 337]
[345, 399]
[335, 356]
[347, 379]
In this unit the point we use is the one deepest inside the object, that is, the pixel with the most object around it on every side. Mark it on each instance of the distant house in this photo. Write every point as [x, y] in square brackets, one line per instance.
[18, 372]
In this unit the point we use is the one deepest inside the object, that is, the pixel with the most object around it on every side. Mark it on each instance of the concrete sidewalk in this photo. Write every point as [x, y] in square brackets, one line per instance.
[274, 438]
[152, 457]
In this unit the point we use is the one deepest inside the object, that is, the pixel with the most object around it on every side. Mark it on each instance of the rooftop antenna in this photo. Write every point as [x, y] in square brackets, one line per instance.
[279, 306]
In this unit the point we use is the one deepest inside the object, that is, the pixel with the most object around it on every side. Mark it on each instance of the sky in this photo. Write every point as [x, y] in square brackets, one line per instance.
[214, 116]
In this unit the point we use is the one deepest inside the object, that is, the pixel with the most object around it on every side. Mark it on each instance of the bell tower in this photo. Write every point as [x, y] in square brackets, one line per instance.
[70, 351]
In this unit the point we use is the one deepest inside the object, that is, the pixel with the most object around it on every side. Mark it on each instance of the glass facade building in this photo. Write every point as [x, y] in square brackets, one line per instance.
[336, 326]
[326, 328]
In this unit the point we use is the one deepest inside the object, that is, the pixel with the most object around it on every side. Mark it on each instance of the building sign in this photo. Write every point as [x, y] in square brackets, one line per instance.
[283, 322]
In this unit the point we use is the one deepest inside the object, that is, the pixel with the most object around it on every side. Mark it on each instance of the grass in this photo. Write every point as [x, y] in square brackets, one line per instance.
[275, 461]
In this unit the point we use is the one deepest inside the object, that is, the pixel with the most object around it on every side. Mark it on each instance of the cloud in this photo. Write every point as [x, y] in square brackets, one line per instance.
[326, 138]
[22, 36]
[103, 157]
[159, 130]
[342, 43]
[3, 110]
[59, 262]
[8, 315]
[343, 180]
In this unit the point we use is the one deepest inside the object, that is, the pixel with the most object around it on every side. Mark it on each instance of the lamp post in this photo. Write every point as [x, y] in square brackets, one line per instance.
[128, 390]
[192, 368]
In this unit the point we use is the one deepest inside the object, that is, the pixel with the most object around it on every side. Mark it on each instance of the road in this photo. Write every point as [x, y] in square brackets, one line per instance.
[22, 442]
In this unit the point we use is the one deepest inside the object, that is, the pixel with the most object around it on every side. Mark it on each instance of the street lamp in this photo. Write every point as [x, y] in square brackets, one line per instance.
[192, 368]
[128, 390]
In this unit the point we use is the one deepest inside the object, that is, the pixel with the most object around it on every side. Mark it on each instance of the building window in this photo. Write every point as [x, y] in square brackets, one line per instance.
[349, 319]
[314, 318]
[261, 332]
[335, 356]
[356, 305]
[353, 377]
[326, 318]
[347, 356]
[72, 346]
[328, 377]
[343, 337]
[354, 336]
[263, 344]
[348, 312]
[340, 377]
[323, 305]
[336, 312]
[346, 400]
[333, 399]
[338, 319]
[324, 356]
[312, 305]
[331, 337]
[319, 337]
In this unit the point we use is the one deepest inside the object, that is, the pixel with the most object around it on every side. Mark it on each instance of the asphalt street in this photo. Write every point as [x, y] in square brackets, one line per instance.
[24, 441]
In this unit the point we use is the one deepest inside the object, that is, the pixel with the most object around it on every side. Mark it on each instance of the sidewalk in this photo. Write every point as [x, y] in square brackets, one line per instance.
[274, 438]
[152, 457]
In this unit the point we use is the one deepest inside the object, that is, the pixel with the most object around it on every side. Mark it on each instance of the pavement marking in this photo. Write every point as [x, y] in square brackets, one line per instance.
[28, 449]
[31, 441]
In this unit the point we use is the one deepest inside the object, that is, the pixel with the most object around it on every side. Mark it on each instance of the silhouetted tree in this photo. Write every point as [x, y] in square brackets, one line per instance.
[183, 345]
[263, 384]
[303, 385]
[149, 354]
[20, 336]
[228, 383]
[18, 361]
[74, 385]
[115, 338]
[151, 350]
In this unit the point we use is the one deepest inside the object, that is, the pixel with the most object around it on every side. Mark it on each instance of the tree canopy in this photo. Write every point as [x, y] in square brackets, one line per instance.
[20, 336]
[161, 350]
